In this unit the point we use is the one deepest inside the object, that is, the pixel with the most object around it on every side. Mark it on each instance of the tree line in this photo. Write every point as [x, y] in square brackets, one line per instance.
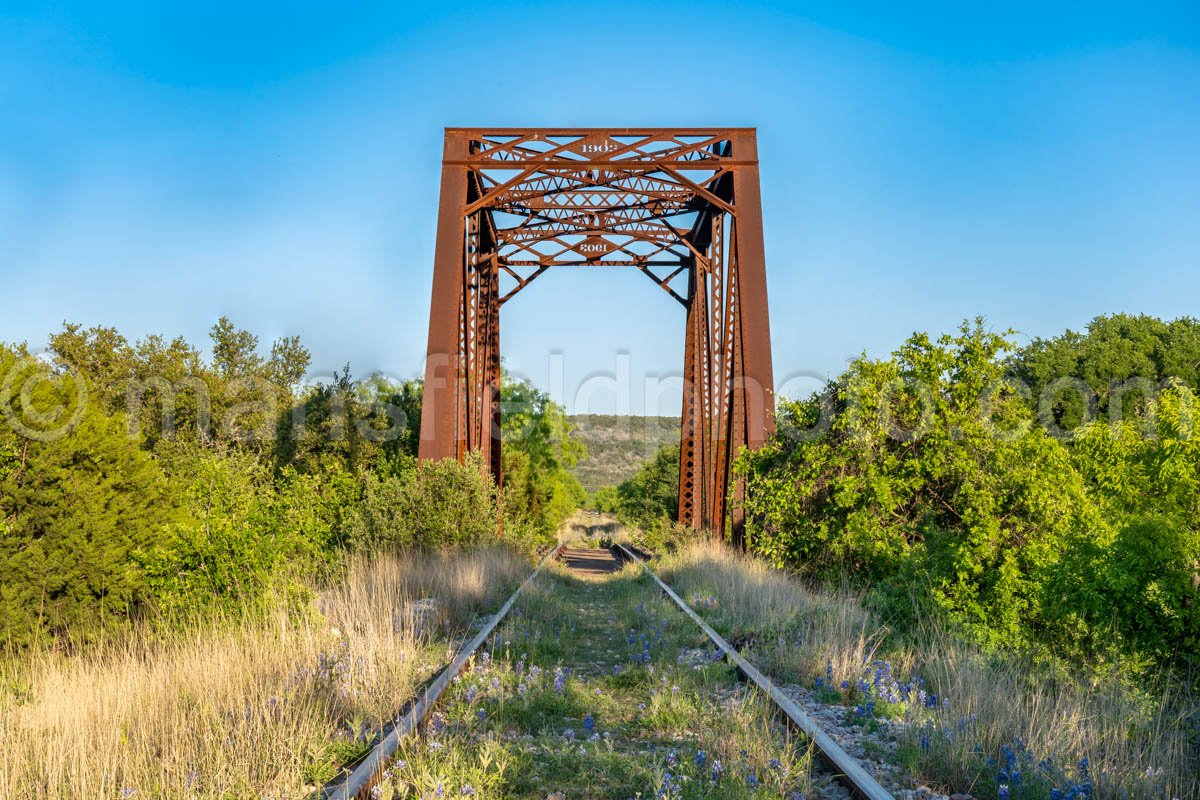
[145, 480]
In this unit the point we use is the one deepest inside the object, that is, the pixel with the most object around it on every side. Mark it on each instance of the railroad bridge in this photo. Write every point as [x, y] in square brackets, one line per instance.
[680, 205]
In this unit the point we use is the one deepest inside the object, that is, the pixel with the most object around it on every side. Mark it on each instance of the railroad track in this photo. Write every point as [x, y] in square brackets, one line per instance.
[359, 781]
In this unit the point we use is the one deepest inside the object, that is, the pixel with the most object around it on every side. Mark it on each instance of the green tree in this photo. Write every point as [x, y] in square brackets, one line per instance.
[652, 494]
[76, 506]
[538, 452]
[1078, 373]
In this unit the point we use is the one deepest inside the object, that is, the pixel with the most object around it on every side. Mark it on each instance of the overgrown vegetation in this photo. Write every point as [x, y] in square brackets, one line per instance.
[144, 481]
[540, 490]
[928, 473]
[993, 725]
[620, 698]
[266, 702]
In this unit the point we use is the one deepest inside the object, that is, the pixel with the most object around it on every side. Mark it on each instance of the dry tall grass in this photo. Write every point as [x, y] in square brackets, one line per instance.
[254, 708]
[1138, 742]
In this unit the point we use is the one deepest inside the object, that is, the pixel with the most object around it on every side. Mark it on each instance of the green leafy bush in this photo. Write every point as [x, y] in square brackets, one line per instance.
[927, 474]
[430, 504]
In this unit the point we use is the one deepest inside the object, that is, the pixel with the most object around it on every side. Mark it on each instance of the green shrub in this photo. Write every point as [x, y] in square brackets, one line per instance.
[926, 477]
[430, 504]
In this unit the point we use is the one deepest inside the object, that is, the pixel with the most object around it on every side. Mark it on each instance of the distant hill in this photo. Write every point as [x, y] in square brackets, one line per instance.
[618, 446]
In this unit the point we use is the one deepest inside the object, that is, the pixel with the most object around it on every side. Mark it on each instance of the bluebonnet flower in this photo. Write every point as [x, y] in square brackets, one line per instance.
[128, 791]
[471, 693]
[700, 758]
[481, 715]
[440, 791]
[437, 722]
[670, 786]
[560, 679]
[672, 758]
[569, 734]
[535, 672]
[751, 779]
[589, 723]
[468, 791]
[776, 764]
[718, 769]
[435, 746]
[1002, 792]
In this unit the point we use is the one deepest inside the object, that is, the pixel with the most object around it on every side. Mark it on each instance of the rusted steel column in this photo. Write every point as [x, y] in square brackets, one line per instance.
[441, 436]
[754, 386]
[491, 398]
[691, 435]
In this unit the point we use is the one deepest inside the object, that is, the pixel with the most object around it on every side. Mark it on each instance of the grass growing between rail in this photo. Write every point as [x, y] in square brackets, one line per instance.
[599, 689]
[991, 725]
[261, 707]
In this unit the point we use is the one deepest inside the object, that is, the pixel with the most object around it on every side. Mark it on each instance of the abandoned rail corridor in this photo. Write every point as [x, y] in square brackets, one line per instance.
[595, 686]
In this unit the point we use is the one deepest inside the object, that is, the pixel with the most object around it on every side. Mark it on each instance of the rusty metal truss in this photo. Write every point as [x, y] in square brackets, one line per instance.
[682, 206]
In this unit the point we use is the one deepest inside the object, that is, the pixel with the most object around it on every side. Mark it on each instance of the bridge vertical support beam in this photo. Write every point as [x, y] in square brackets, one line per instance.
[443, 400]
[693, 477]
[754, 382]
[460, 409]
[492, 391]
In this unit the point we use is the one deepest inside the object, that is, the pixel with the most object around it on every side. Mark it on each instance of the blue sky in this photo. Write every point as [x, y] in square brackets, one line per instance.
[162, 165]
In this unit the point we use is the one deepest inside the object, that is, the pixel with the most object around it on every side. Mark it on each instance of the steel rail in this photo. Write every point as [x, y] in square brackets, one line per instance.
[364, 774]
[847, 769]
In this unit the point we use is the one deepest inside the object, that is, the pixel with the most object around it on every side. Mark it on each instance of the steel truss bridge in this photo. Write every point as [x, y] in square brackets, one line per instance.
[680, 205]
